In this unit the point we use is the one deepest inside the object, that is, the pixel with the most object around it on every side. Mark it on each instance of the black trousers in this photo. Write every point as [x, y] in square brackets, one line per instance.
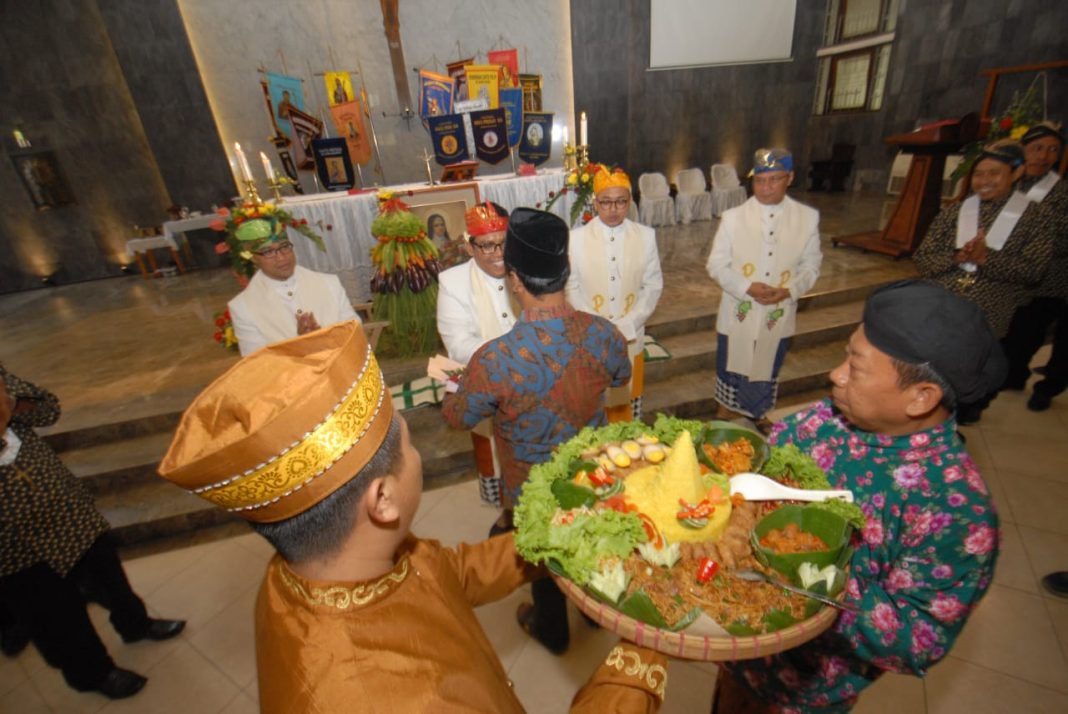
[54, 610]
[1026, 334]
[550, 614]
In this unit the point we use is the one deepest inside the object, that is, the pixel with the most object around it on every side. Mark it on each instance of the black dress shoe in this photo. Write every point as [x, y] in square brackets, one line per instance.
[158, 630]
[1039, 402]
[14, 639]
[1057, 583]
[121, 683]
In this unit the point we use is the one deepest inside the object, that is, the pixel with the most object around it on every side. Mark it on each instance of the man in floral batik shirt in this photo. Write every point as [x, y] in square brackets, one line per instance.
[926, 555]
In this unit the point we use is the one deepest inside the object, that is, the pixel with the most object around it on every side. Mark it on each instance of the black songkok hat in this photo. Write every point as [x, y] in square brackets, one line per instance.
[919, 322]
[1041, 129]
[1007, 151]
[536, 244]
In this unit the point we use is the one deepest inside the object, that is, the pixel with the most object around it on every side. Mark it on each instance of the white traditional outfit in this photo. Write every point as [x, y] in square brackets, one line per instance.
[778, 245]
[474, 308]
[615, 273]
[265, 312]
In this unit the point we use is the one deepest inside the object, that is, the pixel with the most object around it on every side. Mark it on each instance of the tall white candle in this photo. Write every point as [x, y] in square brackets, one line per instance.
[268, 168]
[563, 136]
[583, 138]
[242, 163]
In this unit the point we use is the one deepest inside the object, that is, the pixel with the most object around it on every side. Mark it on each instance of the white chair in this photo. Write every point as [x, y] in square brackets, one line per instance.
[657, 207]
[692, 202]
[727, 190]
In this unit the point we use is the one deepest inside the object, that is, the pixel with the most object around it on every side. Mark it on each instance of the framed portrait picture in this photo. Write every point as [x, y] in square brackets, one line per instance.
[442, 209]
[41, 176]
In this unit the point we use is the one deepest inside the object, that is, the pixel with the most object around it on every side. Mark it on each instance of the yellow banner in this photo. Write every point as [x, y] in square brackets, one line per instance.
[338, 88]
[483, 80]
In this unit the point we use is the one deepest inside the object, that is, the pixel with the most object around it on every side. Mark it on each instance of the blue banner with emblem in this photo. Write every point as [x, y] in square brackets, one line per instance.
[511, 101]
[450, 140]
[491, 135]
[537, 142]
[435, 95]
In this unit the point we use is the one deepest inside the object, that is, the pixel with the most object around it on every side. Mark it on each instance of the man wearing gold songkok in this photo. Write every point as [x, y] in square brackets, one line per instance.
[355, 613]
[765, 256]
[282, 299]
[474, 307]
[615, 273]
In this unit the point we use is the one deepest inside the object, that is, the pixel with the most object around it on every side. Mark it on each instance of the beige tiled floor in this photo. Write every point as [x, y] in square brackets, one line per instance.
[1010, 658]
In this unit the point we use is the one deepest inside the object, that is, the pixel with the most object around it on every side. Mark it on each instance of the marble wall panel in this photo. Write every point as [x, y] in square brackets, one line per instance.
[940, 49]
[63, 87]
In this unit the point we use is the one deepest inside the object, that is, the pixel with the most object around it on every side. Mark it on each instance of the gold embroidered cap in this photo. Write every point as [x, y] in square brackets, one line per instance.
[285, 427]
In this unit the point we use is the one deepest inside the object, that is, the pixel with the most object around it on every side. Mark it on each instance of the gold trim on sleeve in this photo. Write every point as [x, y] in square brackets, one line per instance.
[630, 663]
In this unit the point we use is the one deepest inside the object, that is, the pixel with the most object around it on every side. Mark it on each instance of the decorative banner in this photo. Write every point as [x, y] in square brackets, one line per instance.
[509, 59]
[333, 165]
[491, 135]
[286, 93]
[465, 107]
[537, 137]
[483, 80]
[450, 140]
[348, 119]
[512, 104]
[338, 88]
[435, 95]
[531, 84]
[459, 77]
[290, 169]
[306, 129]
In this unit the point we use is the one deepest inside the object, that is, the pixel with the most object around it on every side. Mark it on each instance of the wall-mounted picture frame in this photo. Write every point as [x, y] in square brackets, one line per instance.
[43, 179]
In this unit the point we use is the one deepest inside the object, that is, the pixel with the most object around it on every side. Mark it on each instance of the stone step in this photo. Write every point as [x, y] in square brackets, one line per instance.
[122, 460]
[145, 508]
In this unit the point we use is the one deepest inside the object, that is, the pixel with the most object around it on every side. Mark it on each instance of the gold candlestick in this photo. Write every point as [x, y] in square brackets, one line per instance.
[570, 162]
[253, 194]
[583, 153]
[275, 184]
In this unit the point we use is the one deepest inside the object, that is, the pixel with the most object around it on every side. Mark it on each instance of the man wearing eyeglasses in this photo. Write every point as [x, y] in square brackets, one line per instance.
[474, 307]
[765, 256]
[282, 299]
[615, 273]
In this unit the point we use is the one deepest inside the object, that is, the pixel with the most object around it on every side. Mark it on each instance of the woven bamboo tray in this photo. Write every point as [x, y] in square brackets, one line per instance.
[696, 647]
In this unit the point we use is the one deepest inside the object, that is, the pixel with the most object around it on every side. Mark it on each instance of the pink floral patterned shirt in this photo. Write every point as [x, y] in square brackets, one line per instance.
[921, 564]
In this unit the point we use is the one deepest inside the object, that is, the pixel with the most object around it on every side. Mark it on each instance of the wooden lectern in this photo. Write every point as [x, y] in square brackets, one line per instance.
[921, 196]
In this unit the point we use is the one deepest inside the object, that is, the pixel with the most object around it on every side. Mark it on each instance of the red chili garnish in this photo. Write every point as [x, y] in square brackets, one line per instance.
[706, 569]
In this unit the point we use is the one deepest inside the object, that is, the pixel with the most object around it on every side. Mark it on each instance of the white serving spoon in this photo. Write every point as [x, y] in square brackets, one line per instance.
[761, 488]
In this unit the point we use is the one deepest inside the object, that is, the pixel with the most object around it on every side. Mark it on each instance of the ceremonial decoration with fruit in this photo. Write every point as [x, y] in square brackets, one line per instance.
[645, 532]
[405, 280]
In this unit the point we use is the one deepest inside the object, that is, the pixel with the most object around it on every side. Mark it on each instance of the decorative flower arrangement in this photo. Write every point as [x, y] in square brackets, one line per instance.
[1022, 113]
[578, 182]
[224, 331]
[241, 250]
[404, 283]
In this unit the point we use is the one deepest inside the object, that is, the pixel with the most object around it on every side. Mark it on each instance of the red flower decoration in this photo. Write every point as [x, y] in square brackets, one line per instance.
[329, 227]
[303, 221]
[587, 216]
[217, 225]
[1006, 123]
[220, 321]
[218, 336]
[224, 211]
[221, 248]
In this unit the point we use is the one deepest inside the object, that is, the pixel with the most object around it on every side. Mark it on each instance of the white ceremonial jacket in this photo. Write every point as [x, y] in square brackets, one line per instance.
[632, 282]
[459, 318]
[778, 245]
[262, 317]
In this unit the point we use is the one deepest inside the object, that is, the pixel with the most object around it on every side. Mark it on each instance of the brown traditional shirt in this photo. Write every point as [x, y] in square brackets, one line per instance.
[410, 642]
